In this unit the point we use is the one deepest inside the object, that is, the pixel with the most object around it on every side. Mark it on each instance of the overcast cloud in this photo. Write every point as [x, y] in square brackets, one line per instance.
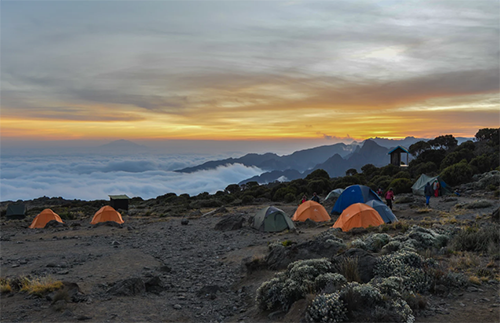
[192, 70]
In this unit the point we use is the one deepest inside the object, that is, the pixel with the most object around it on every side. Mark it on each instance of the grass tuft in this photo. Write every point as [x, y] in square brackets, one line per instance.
[40, 286]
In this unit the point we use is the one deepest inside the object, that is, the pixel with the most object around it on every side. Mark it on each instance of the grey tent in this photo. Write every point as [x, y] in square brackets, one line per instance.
[272, 219]
[16, 211]
[418, 187]
[335, 193]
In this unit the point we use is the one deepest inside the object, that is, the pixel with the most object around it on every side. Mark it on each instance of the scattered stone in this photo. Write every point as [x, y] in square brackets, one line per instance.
[63, 272]
[177, 306]
[184, 221]
[83, 318]
[115, 243]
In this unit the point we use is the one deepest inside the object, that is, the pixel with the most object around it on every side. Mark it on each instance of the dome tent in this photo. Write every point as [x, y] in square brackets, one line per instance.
[272, 219]
[354, 194]
[43, 218]
[419, 186]
[334, 193]
[383, 210]
[311, 210]
[107, 213]
[358, 215]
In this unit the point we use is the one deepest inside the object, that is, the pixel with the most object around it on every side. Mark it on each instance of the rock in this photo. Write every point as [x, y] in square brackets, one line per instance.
[495, 216]
[108, 224]
[63, 272]
[154, 285]
[484, 180]
[128, 287]
[115, 243]
[184, 221]
[177, 306]
[366, 262]
[275, 315]
[231, 222]
[165, 269]
[83, 318]
[55, 224]
[209, 291]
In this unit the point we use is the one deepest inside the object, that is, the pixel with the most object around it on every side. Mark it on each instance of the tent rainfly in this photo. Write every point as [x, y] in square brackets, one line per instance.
[311, 210]
[43, 218]
[358, 215]
[107, 213]
[272, 219]
[418, 187]
[354, 194]
[16, 211]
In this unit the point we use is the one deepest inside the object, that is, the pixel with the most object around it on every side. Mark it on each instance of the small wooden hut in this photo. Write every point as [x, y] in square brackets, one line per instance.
[396, 156]
[119, 201]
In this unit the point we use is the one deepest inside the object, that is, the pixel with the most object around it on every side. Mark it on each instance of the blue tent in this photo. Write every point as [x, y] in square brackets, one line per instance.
[384, 211]
[354, 194]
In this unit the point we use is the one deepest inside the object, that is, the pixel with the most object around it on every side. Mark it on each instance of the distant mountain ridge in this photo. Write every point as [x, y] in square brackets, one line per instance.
[301, 160]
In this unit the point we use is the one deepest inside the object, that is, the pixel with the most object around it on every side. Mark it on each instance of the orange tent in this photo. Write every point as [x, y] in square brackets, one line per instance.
[311, 210]
[358, 215]
[43, 218]
[107, 213]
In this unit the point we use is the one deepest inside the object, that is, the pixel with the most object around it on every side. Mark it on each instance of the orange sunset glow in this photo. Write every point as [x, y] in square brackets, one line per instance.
[247, 71]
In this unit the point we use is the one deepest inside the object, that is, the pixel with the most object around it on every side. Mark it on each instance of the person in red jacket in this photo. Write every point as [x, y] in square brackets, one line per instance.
[389, 197]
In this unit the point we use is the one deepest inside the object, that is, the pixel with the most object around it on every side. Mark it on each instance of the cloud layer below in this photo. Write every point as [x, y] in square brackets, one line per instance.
[95, 177]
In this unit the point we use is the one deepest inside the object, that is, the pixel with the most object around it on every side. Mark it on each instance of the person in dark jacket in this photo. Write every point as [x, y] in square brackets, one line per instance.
[428, 191]
[315, 197]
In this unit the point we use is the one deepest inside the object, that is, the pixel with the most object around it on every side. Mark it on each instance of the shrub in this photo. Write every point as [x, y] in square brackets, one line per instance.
[402, 174]
[401, 185]
[289, 198]
[474, 239]
[318, 174]
[425, 168]
[327, 308]
[330, 280]
[457, 174]
[292, 284]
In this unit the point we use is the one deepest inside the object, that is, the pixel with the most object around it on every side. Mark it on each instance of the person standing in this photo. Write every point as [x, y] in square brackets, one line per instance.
[428, 191]
[435, 186]
[389, 197]
[315, 197]
[304, 198]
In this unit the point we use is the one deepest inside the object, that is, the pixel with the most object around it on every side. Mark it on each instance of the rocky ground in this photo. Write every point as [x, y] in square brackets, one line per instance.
[167, 269]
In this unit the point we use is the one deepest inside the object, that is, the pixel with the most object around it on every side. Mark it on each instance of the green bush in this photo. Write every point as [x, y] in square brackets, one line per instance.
[424, 168]
[289, 198]
[401, 185]
[457, 174]
[247, 199]
[318, 174]
[476, 239]
[402, 174]
[481, 164]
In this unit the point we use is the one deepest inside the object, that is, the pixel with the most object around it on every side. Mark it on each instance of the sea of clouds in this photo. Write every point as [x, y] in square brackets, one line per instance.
[94, 177]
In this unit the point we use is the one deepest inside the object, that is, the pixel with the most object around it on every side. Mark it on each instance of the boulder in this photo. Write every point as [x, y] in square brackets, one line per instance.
[231, 222]
[482, 181]
[109, 224]
[495, 216]
[128, 287]
[366, 262]
[55, 224]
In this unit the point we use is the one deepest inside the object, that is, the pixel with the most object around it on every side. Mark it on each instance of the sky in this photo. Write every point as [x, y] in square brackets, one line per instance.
[255, 71]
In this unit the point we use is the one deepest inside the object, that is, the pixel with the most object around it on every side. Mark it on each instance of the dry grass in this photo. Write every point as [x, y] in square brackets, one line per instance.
[348, 267]
[464, 261]
[5, 286]
[474, 280]
[423, 210]
[40, 286]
